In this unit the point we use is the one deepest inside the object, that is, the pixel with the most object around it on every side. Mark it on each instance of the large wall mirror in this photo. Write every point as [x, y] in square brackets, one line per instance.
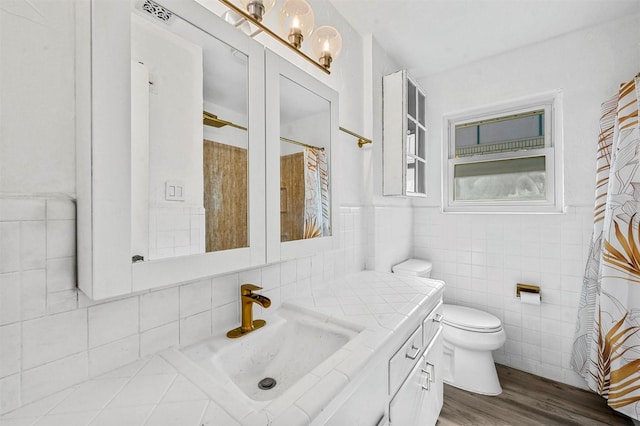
[305, 175]
[190, 138]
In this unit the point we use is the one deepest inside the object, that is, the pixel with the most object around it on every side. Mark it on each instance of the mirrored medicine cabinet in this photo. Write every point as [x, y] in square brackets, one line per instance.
[194, 157]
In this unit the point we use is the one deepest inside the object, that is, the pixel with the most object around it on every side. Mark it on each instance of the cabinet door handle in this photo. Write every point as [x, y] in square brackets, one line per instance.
[438, 318]
[427, 383]
[417, 351]
[430, 370]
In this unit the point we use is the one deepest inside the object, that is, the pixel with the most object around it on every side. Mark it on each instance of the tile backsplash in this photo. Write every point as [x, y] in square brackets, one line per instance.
[482, 258]
[52, 336]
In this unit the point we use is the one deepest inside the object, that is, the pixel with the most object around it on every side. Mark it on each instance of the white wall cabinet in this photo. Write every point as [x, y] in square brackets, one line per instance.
[404, 143]
[108, 189]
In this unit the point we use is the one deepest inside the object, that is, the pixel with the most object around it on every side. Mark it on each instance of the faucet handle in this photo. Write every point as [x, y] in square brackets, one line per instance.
[246, 289]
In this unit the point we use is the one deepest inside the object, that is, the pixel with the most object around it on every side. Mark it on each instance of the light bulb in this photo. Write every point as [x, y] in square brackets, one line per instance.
[296, 21]
[326, 44]
[258, 8]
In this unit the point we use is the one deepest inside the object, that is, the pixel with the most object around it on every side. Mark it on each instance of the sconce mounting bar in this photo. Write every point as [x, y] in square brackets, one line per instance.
[361, 139]
[266, 29]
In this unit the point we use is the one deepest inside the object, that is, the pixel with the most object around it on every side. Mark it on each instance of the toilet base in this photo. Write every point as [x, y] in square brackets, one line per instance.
[473, 371]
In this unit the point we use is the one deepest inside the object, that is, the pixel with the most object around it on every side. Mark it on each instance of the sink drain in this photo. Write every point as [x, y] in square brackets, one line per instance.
[267, 383]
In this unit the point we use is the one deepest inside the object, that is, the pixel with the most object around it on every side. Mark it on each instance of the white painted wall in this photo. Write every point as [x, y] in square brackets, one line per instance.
[390, 219]
[482, 257]
[37, 134]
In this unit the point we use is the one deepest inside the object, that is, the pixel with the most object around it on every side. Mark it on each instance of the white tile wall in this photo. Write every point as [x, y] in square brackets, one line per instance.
[112, 321]
[159, 308]
[176, 231]
[482, 258]
[53, 336]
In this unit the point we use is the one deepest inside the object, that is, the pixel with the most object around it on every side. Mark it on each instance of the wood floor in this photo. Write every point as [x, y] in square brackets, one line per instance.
[527, 400]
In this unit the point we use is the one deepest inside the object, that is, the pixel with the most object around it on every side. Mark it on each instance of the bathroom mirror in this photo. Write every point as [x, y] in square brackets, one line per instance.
[179, 132]
[305, 136]
[190, 138]
[301, 127]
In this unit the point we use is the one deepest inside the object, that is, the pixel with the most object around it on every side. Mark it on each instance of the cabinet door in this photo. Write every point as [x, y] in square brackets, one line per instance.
[404, 144]
[419, 400]
[141, 165]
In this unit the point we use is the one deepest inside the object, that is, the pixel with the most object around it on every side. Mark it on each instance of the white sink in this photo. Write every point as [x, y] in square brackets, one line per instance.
[291, 344]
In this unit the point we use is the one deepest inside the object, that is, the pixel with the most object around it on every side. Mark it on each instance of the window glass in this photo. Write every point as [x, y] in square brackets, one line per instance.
[511, 133]
[505, 158]
[520, 178]
[411, 98]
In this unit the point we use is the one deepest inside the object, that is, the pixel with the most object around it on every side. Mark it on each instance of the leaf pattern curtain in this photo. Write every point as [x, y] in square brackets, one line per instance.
[316, 193]
[606, 349]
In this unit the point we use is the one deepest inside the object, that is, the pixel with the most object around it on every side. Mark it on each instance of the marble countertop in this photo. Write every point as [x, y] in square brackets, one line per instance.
[164, 390]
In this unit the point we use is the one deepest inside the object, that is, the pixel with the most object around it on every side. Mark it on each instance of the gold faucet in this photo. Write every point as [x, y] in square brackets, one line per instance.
[247, 299]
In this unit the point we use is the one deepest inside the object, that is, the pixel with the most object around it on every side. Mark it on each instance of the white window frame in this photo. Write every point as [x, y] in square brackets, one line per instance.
[551, 103]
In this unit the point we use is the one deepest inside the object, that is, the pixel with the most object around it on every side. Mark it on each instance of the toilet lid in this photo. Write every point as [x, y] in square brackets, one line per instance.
[470, 319]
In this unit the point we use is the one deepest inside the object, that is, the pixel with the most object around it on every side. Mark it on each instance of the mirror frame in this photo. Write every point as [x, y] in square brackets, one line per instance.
[103, 154]
[277, 250]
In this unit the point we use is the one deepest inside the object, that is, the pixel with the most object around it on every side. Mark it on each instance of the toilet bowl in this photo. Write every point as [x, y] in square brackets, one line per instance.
[469, 337]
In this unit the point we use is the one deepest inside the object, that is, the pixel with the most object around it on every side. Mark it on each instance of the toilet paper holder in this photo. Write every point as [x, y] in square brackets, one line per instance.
[528, 288]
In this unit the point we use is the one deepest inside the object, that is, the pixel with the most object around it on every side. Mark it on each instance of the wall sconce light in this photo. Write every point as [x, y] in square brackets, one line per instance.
[326, 44]
[296, 21]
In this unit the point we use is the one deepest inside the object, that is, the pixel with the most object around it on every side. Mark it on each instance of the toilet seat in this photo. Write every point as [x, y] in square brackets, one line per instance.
[470, 319]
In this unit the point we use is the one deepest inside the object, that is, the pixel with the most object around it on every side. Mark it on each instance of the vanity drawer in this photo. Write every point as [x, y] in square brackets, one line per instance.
[431, 324]
[404, 359]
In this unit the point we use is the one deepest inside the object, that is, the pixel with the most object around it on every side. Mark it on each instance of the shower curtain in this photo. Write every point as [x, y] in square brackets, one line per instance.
[316, 192]
[606, 349]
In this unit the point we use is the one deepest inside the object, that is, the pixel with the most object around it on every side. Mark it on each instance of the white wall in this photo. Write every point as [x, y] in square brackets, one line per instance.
[52, 335]
[390, 219]
[37, 134]
[482, 257]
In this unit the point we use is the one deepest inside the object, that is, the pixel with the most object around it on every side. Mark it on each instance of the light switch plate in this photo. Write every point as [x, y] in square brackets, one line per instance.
[174, 190]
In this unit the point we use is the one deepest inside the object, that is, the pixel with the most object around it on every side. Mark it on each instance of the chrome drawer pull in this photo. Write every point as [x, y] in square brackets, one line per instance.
[415, 354]
[427, 382]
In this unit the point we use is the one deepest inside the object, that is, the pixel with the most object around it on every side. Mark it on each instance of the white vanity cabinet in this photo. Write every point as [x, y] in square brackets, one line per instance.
[404, 138]
[415, 375]
[404, 386]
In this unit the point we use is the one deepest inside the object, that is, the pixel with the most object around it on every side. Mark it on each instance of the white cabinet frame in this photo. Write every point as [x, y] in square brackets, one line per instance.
[276, 250]
[103, 144]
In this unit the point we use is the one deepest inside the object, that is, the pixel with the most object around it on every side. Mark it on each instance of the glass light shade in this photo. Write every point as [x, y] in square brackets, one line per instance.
[296, 21]
[326, 44]
[258, 8]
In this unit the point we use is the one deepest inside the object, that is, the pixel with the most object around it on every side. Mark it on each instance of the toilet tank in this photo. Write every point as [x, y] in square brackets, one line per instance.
[413, 267]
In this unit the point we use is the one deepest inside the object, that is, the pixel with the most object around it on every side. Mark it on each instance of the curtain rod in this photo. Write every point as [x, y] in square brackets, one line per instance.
[213, 121]
[361, 139]
[282, 138]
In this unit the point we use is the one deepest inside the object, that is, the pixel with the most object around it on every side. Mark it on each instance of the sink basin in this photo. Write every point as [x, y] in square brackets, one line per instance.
[291, 344]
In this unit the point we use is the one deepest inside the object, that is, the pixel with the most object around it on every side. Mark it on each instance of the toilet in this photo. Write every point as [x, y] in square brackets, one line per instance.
[469, 337]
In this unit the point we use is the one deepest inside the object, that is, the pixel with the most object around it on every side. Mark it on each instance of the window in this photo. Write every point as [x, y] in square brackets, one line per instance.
[505, 158]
